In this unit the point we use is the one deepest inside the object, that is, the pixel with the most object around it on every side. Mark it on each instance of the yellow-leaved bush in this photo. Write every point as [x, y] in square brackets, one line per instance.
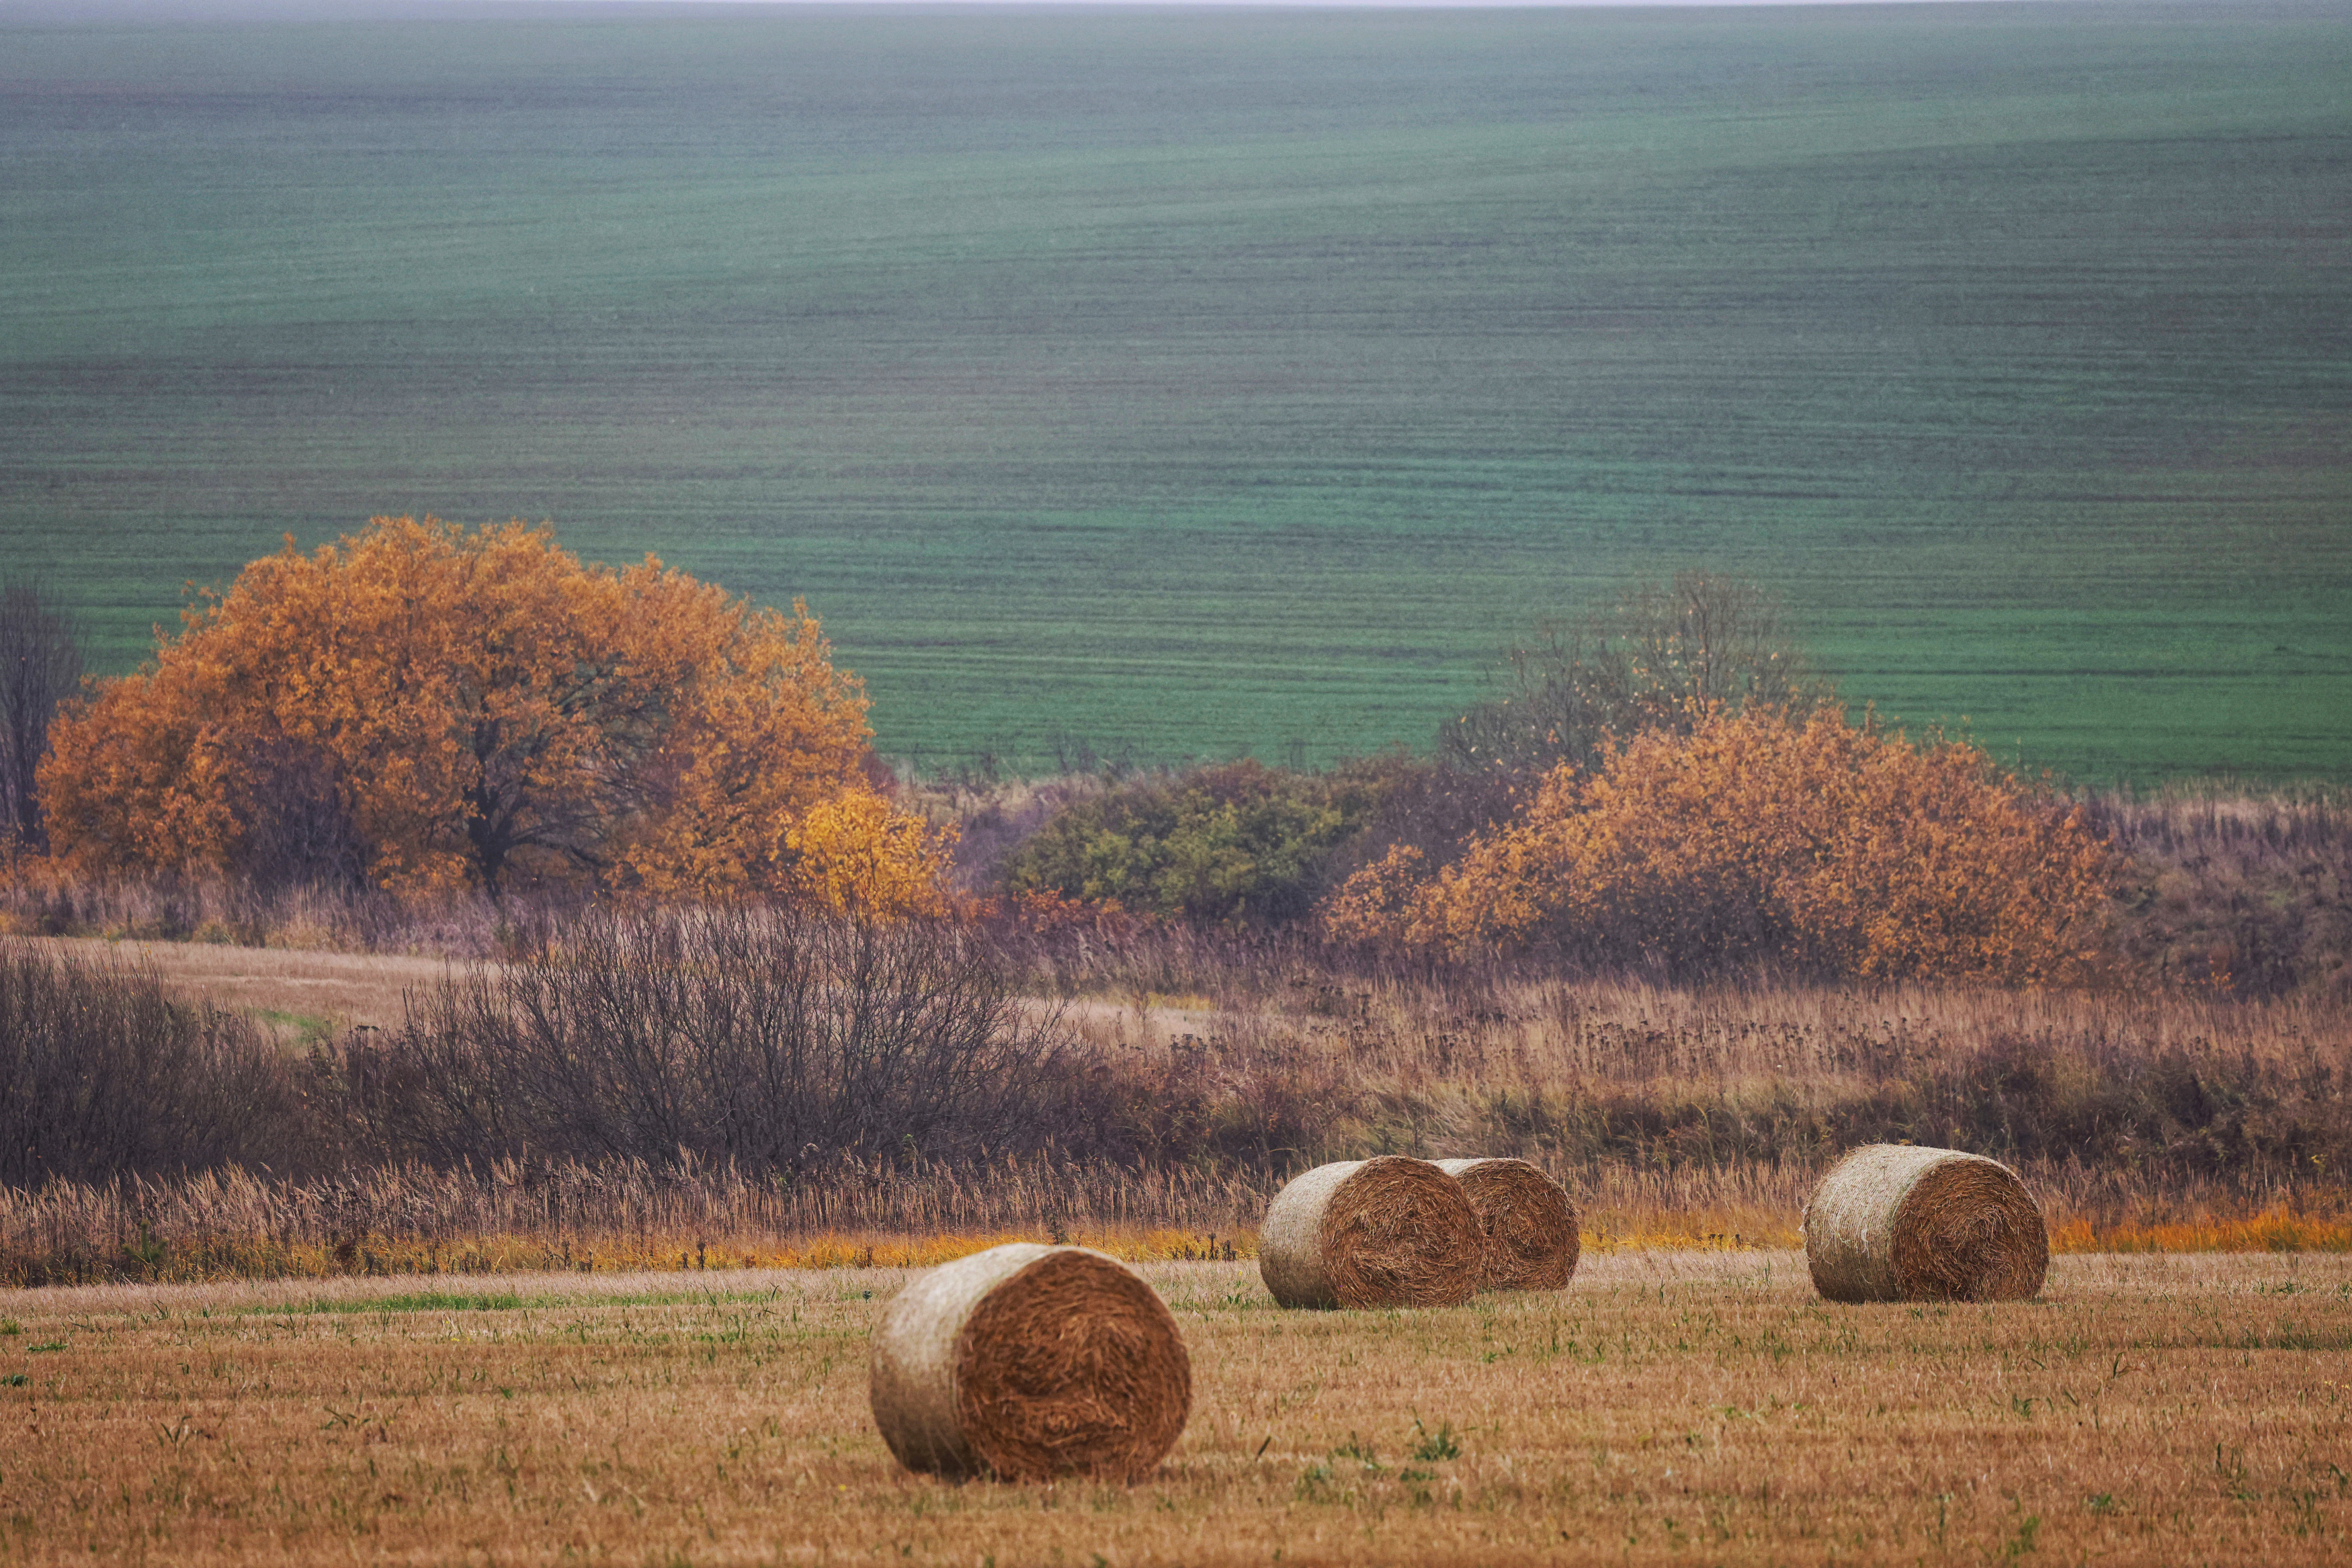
[426, 708]
[1813, 844]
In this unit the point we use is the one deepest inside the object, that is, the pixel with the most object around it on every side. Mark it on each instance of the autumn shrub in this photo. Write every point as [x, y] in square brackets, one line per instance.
[1235, 844]
[1813, 846]
[423, 709]
[103, 1075]
[770, 1039]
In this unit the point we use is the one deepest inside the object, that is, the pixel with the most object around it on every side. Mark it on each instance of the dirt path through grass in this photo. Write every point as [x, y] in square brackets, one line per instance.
[300, 990]
[1669, 1407]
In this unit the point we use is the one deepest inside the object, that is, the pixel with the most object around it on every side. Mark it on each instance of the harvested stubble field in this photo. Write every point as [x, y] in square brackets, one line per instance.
[1668, 1408]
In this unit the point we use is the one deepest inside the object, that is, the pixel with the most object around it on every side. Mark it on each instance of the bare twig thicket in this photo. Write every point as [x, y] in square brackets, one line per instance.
[773, 1040]
[1658, 654]
[102, 1075]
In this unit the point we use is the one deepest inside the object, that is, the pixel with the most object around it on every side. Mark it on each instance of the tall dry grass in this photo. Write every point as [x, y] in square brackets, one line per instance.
[1196, 1070]
[619, 1214]
[2155, 1091]
[2245, 892]
[37, 899]
[631, 1215]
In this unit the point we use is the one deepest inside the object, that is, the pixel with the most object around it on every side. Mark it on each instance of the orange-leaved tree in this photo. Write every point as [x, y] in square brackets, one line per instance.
[425, 707]
[1811, 843]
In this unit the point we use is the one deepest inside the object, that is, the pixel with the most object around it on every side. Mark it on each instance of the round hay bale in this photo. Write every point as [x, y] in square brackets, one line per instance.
[1389, 1232]
[1026, 1361]
[1527, 1220]
[1895, 1223]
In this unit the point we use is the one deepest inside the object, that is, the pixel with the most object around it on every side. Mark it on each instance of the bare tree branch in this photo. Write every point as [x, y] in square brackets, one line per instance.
[1650, 661]
[40, 667]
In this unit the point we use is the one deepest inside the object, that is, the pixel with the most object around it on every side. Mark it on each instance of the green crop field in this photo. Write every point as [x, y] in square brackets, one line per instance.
[1239, 379]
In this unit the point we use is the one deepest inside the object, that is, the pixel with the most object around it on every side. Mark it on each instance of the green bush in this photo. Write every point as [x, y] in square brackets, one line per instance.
[1237, 844]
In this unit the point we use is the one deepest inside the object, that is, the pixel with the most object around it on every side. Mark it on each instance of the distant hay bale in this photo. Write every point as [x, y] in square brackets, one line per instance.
[1527, 1220]
[1388, 1232]
[1026, 1361]
[1895, 1223]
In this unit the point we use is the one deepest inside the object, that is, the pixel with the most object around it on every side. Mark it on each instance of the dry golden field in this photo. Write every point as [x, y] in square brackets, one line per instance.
[1668, 1408]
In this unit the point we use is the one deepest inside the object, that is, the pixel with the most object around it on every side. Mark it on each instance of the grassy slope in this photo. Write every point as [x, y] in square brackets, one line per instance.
[1204, 384]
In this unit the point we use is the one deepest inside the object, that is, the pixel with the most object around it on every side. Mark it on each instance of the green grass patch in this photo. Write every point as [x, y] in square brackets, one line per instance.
[309, 1027]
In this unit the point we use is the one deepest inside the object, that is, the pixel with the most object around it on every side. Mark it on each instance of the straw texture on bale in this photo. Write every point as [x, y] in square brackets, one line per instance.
[1895, 1223]
[1026, 1361]
[1526, 1219]
[1387, 1232]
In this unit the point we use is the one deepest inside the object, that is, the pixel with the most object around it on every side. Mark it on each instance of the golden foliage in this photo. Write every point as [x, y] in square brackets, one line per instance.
[476, 707]
[1828, 846]
[857, 852]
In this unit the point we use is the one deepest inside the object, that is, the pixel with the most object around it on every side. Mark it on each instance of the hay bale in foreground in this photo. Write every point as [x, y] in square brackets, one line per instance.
[1895, 1223]
[1387, 1232]
[1026, 1361]
[1527, 1220]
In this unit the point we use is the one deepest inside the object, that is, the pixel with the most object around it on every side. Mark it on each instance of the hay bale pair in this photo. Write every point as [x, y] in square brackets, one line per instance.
[1894, 1222]
[1395, 1232]
[1027, 1362]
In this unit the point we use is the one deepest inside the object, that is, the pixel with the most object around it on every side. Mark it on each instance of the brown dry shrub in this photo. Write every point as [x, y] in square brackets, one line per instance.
[1818, 846]
[102, 1075]
[776, 1039]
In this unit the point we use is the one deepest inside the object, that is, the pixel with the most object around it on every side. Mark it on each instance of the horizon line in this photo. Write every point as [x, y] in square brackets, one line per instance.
[325, 10]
